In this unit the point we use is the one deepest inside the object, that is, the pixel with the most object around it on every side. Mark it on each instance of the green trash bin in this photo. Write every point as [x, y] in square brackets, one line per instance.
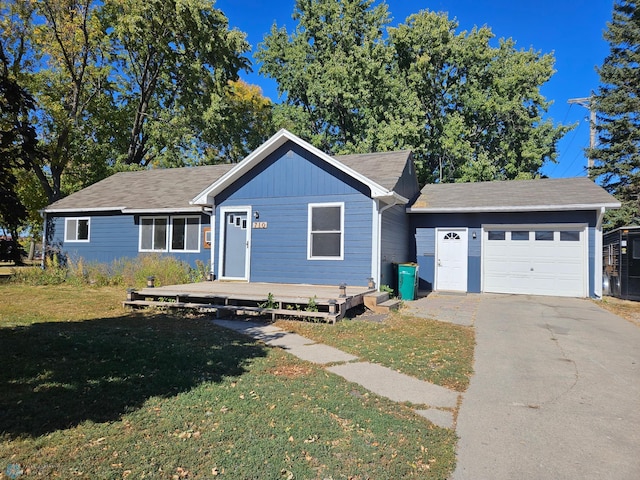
[408, 281]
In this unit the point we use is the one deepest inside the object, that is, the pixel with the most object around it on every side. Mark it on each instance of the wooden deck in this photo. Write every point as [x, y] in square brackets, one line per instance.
[274, 299]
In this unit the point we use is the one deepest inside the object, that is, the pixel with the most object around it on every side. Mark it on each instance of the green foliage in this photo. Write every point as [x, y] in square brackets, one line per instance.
[18, 145]
[236, 123]
[200, 273]
[130, 273]
[334, 71]
[114, 83]
[469, 110]
[386, 289]
[270, 303]
[53, 273]
[617, 103]
[175, 58]
[312, 305]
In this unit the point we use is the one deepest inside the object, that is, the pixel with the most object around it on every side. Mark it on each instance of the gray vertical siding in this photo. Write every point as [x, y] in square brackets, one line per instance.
[424, 227]
[425, 253]
[395, 245]
[280, 188]
[112, 237]
[474, 263]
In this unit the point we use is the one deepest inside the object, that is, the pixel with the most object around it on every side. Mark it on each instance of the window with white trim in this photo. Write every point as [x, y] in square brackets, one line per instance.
[76, 229]
[185, 234]
[325, 231]
[153, 234]
[175, 234]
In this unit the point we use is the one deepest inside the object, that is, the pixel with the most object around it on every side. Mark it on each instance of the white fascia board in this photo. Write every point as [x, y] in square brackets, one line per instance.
[83, 210]
[195, 209]
[270, 146]
[528, 208]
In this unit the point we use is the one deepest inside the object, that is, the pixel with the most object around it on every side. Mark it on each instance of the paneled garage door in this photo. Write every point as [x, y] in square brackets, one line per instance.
[540, 260]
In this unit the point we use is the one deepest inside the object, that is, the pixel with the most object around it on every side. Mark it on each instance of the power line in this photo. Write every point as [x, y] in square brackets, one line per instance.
[587, 103]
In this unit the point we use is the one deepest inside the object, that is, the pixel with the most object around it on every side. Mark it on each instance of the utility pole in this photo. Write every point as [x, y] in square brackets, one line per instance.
[586, 102]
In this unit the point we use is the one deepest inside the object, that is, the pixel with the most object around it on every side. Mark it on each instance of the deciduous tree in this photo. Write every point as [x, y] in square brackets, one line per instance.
[173, 57]
[334, 72]
[469, 110]
[18, 147]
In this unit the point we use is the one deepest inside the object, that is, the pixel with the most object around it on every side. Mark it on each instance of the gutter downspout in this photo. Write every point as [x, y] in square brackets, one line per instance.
[597, 274]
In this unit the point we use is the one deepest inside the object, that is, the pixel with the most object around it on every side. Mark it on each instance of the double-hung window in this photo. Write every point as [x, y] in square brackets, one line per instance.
[153, 234]
[325, 231]
[175, 234]
[76, 229]
[185, 234]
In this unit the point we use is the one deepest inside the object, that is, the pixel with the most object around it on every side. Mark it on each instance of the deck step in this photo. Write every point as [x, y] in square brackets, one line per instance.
[387, 306]
[371, 300]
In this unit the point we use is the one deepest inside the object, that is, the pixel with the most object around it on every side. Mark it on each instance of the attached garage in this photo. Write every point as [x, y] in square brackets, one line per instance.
[535, 259]
[534, 237]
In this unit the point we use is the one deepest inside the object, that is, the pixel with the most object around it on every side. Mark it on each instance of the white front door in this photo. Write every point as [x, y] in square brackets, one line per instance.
[451, 259]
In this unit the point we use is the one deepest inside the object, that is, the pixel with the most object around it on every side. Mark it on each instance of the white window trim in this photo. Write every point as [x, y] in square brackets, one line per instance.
[154, 218]
[77, 219]
[185, 217]
[328, 204]
[168, 234]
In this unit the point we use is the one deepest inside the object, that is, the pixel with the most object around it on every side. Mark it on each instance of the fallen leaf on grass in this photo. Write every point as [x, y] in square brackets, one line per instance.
[180, 473]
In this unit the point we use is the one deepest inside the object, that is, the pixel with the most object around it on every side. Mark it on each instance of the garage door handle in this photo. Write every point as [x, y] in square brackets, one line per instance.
[532, 269]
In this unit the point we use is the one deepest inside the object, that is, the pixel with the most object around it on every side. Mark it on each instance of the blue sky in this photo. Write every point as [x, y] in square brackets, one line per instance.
[570, 29]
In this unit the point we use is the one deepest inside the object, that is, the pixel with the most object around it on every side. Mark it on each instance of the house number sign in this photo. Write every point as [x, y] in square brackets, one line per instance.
[260, 225]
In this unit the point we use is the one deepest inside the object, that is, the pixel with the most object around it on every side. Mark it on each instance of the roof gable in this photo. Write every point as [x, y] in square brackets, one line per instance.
[514, 195]
[278, 140]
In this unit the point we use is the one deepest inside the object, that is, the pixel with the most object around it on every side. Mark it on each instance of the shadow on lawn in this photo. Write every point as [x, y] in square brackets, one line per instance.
[57, 375]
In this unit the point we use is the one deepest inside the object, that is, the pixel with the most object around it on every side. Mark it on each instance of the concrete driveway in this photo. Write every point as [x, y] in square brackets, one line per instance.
[555, 394]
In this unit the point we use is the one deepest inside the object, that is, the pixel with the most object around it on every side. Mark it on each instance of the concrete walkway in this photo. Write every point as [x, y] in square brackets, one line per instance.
[458, 308]
[436, 403]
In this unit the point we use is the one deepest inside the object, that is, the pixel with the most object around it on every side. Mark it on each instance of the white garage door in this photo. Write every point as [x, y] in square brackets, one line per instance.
[541, 260]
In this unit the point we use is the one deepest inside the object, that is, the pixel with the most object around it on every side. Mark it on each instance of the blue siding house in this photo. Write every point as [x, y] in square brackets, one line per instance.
[287, 213]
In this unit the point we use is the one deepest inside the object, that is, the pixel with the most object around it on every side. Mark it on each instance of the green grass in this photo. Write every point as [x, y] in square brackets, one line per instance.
[94, 392]
[433, 351]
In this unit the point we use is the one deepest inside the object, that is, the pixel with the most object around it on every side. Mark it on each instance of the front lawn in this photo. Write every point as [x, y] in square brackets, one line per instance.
[89, 390]
[434, 351]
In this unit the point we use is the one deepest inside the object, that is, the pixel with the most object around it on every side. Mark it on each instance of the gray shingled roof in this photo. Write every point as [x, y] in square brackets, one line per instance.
[165, 188]
[384, 168]
[560, 193]
[174, 188]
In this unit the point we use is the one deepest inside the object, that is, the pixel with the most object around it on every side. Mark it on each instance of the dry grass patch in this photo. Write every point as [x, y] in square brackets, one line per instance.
[627, 309]
[434, 351]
